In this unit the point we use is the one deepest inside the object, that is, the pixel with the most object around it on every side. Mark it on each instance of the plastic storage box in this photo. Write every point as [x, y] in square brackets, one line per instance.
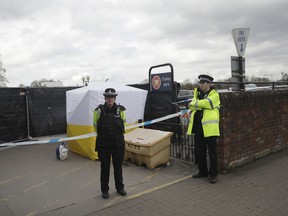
[147, 147]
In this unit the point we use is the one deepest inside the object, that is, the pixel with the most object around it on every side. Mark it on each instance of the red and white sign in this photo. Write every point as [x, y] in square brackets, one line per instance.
[156, 82]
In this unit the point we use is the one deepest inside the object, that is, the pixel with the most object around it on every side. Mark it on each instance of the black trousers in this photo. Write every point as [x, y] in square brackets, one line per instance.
[201, 145]
[104, 155]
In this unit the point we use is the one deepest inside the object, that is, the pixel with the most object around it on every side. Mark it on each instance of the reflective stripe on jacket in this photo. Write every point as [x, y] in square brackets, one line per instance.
[210, 106]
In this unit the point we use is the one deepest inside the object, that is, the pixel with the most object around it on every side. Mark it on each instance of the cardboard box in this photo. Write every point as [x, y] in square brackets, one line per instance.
[147, 147]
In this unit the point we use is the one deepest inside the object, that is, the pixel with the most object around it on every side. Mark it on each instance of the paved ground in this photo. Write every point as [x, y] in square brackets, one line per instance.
[260, 188]
[34, 182]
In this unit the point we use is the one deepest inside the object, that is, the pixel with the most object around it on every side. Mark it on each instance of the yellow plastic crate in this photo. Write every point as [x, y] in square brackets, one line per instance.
[147, 147]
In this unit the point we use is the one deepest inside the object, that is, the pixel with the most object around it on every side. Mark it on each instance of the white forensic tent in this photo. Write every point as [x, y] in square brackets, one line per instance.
[80, 104]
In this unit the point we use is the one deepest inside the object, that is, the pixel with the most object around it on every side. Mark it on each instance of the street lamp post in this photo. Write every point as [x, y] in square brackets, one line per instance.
[85, 80]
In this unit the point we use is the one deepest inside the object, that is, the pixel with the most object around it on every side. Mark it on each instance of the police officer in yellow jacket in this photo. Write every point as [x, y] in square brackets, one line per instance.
[204, 123]
[109, 120]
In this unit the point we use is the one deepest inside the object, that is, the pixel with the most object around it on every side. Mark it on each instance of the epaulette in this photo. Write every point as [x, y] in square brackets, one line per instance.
[122, 108]
[101, 106]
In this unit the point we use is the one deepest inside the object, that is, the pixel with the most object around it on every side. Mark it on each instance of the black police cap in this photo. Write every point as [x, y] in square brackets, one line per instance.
[110, 92]
[205, 78]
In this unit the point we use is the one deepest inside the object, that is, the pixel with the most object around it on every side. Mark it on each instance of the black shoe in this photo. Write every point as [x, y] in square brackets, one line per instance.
[105, 195]
[213, 180]
[199, 175]
[122, 192]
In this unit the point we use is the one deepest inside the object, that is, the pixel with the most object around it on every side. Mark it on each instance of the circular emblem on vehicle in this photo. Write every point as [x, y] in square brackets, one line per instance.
[156, 82]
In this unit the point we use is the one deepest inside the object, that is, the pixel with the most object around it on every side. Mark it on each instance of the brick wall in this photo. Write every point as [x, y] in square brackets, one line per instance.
[253, 125]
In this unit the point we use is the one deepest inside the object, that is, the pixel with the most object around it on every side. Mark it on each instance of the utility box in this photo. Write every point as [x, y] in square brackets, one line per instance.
[147, 147]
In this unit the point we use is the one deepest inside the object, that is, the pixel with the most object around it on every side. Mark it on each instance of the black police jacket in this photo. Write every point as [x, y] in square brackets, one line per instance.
[110, 127]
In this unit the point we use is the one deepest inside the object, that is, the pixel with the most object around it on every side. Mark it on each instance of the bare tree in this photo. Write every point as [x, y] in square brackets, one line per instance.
[38, 83]
[284, 76]
[21, 85]
[83, 79]
[188, 84]
[144, 81]
[3, 80]
[258, 79]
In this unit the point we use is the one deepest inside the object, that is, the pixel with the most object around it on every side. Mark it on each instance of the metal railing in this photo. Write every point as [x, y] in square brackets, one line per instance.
[182, 145]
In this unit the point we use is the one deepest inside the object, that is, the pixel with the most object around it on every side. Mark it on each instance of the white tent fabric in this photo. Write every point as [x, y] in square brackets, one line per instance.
[81, 102]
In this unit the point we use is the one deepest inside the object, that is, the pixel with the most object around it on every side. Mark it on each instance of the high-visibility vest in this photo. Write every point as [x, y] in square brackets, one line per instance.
[97, 113]
[110, 127]
[211, 116]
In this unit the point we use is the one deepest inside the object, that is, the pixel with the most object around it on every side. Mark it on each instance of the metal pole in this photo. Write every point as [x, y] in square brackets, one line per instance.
[29, 138]
[27, 114]
[241, 74]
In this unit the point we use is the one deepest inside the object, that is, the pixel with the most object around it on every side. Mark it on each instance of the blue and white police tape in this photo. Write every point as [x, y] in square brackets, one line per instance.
[182, 101]
[84, 136]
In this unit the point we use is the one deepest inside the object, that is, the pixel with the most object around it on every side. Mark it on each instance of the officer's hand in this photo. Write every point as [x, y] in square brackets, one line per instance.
[192, 105]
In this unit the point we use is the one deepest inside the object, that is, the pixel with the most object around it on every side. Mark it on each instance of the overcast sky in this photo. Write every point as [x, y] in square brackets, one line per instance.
[120, 40]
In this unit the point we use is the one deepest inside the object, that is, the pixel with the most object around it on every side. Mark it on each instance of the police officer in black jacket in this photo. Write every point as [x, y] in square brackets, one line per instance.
[109, 120]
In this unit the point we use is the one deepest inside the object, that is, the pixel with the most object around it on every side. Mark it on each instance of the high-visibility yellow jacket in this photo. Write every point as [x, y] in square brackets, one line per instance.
[210, 106]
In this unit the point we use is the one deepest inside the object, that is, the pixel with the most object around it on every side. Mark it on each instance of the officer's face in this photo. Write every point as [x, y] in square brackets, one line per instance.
[110, 100]
[204, 86]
